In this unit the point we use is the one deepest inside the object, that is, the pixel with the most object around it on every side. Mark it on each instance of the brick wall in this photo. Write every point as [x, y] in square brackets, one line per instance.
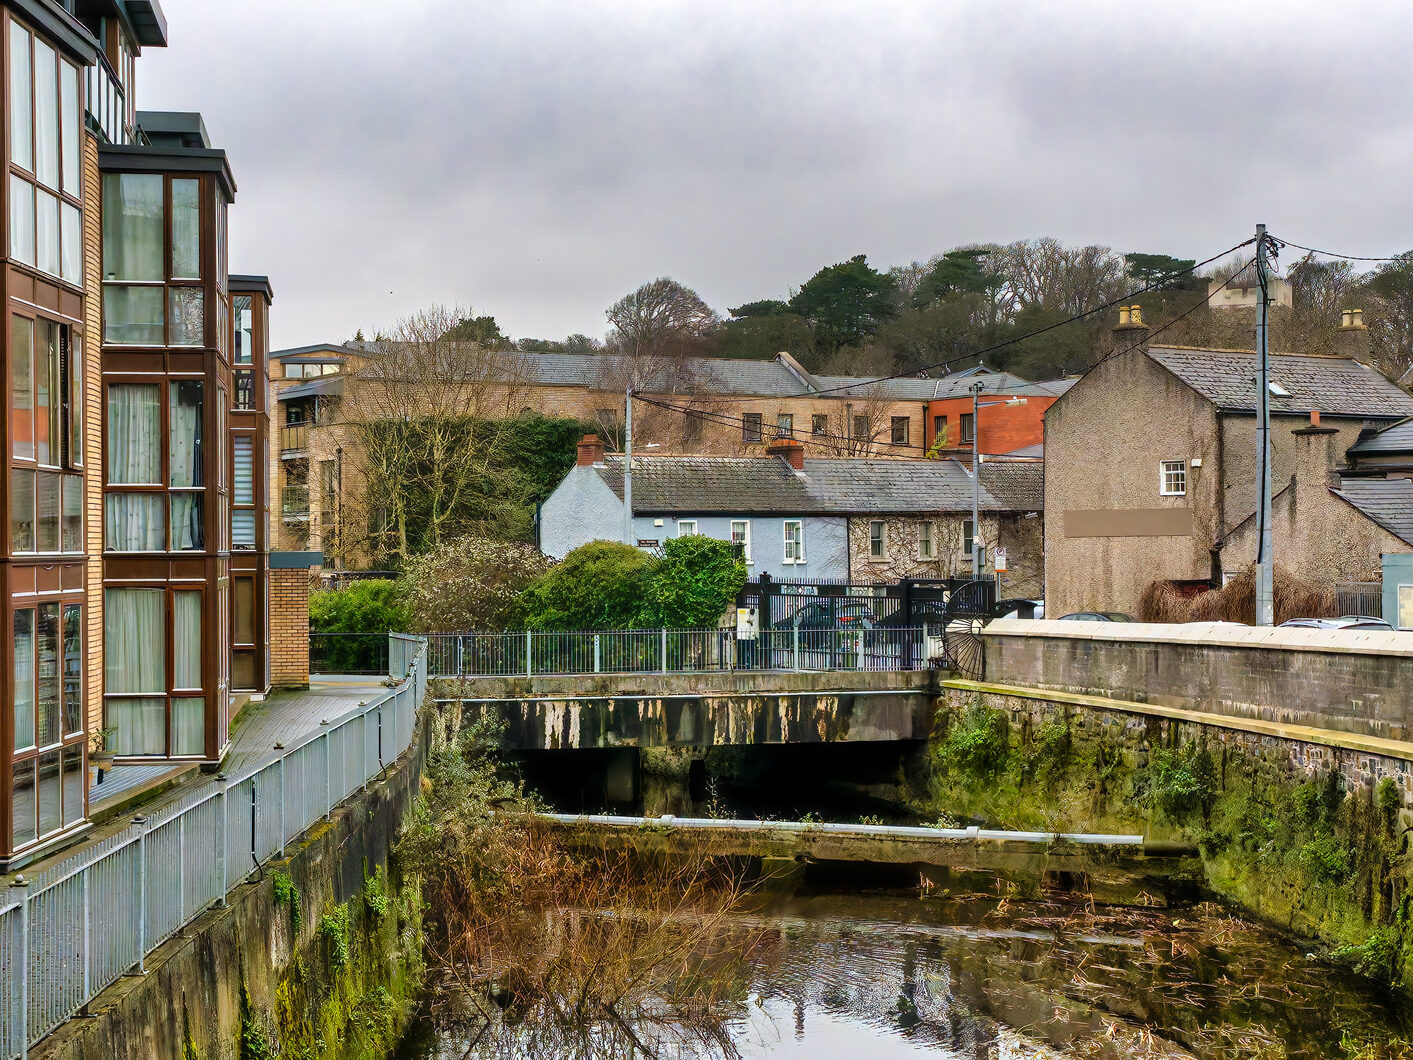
[289, 628]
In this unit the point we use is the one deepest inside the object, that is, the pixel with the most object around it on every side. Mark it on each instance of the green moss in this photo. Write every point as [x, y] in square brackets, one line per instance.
[1325, 863]
[287, 894]
[375, 893]
[977, 743]
[188, 1044]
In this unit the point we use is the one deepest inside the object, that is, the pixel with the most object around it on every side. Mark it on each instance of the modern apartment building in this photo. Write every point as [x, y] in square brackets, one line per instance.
[135, 491]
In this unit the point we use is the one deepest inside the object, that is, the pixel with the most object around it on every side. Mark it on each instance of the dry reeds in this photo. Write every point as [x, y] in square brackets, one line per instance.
[1235, 601]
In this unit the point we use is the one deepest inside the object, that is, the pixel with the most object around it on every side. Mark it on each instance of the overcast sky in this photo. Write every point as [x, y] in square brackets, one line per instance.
[538, 160]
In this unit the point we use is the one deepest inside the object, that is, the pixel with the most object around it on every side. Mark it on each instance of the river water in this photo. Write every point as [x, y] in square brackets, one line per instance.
[891, 973]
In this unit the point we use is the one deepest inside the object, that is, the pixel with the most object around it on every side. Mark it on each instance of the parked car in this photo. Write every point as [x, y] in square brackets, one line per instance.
[834, 614]
[1025, 609]
[1343, 622]
[924, 612]
[1096, 616]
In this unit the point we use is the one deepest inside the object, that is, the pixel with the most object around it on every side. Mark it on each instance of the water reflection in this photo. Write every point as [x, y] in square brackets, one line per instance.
[887, 975]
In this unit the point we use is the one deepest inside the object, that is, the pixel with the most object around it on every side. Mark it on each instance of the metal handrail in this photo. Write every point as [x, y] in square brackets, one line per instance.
[69, 932]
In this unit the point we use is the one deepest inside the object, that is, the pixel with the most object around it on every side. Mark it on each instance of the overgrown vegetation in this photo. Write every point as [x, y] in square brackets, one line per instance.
[470, 583]
[1235, 601]
[1325, 861]
[371, 606]
[334, 931]
[609, 585]
[287, 894]
[568, 946]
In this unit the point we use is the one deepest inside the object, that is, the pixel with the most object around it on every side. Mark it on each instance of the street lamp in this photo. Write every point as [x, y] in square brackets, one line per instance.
[976, 406]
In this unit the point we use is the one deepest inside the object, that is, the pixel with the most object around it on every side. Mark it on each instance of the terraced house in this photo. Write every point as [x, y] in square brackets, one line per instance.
[135, 492]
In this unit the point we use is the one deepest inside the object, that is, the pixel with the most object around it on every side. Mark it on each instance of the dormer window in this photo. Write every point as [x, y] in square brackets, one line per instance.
[1277, 390]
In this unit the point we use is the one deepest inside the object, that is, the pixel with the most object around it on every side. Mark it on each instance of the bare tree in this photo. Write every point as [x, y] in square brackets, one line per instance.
[660, 318]
[421, 421]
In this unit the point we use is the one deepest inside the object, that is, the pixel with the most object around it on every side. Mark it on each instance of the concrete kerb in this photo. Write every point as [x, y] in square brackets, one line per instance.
[1335, 641]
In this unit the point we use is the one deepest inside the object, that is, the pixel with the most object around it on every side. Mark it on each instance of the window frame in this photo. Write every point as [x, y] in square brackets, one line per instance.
[63, 421]
[819, 424]
[926, 536]
[784, 425]
[169, 284]
[745, 541]
[1174, 471]
[683, 524]
[71, 196]
[967, 428]
[900, 430]
[877, 541]
[752, 428]
[794, 544]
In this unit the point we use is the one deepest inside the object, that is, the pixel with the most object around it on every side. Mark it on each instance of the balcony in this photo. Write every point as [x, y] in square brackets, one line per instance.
[294, 504]
[294, 441]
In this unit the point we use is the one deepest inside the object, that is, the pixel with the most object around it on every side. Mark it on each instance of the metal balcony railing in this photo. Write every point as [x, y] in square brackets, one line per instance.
[294, 502]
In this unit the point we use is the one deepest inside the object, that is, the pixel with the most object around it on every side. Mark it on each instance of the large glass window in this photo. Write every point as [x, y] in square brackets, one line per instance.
[48, 393]
[186, 229]
[46, 536]
[22, 509]
[244, 330]
[46, 226]
[152, 235]
[22, 387]
[48, 788]
[47, 644]
[243, 493]
[244, 390]
[186, 638]
[73, 670]
[134, 434]
[24, 679]
[21, 99]
[185, 432]
[134, 634]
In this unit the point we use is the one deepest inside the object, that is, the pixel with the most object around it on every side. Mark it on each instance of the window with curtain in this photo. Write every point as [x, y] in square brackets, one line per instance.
[24, 678]
[46, 223]
[134, 434]
[22, 387]
[134, 522]
[49, 393]
[244, 352]
[73, 670]
[186, 229]
[243, 495]
[47, 644]
[133, 253]
[188, 726]
[186, 638]
[22, 509]
[184, 426]
[135, 669]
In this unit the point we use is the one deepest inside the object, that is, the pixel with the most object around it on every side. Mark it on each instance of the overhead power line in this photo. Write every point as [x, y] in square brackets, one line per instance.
[916, 370]
[1332, 254]
[850, 440]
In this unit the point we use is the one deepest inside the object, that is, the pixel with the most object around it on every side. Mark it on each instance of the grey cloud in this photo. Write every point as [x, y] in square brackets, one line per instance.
[540, 159]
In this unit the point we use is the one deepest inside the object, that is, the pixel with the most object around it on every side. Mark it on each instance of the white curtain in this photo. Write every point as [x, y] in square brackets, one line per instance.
[140, 724]
[186, 521]
[24, 679]
[133, 522]
[186, 638]
[134, 435]
[186, 229]
[134, 635]
[188, 726]
[132, 226]
[185, 435]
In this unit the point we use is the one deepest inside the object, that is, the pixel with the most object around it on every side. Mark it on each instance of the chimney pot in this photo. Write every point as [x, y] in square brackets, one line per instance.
[1356, 318]
[1314, 417]
[1345, 318]
[590, 450]
[1137, 316]
[1123, 316]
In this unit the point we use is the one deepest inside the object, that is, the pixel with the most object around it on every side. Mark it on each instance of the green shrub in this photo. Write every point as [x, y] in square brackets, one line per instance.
[1376, 956]
[978, 743]
[373, 606]
[693, 584]
[375, 894]
[1182, 781]
[470, 584]
[334, 930]
[286, 893]
[600, 585]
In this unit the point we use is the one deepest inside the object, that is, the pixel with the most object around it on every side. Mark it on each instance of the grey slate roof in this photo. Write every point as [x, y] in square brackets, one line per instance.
[761, 485]
[715, 375]
[1017, 487]
[1395, 438]
[1387, 501]
[1333, 386]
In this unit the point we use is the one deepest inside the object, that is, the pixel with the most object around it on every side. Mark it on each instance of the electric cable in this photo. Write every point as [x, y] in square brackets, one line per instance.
[914, 371]
[740, 421]
[1333, 254]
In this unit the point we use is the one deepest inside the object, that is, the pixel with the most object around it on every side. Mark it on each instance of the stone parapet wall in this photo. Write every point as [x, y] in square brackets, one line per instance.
[1349, 681]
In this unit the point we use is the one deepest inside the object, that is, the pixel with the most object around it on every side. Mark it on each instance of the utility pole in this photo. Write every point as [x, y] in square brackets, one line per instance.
[1265, 560]
[628, 538]
[975, 482]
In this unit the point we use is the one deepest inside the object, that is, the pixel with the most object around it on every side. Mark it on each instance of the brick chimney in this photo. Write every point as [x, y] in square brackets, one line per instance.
[1352, 339]
[1130, 331]
[790, 449]
[590, 450]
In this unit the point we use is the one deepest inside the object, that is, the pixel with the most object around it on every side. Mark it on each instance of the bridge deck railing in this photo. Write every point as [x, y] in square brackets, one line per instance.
[77, 926]
[534, 653]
